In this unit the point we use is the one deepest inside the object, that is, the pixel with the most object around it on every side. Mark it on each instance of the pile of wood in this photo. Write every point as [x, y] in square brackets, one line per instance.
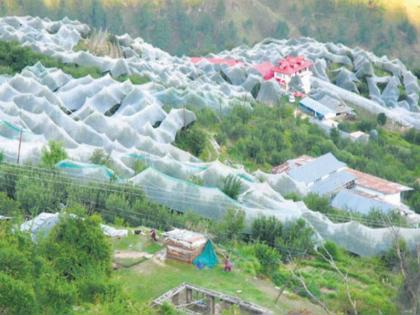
[184, 245]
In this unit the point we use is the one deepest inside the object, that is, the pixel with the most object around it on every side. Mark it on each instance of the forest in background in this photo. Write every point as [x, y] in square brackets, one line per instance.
[199, 27]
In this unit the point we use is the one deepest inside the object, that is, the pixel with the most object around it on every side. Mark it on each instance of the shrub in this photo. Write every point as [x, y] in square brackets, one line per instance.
[99, 157]
[331, 249]
[268, 257]
[317, 203]
[266, 230]
[77, 248]
[53, 154]
[35, 195]
[232, 186]
[281, 277]
[8, 206]
[231, 226]
[296, 240]
[381, 119]
[192, 139]
[16, 296]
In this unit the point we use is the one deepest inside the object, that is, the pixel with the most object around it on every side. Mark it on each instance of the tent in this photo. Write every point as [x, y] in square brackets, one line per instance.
[207, 258]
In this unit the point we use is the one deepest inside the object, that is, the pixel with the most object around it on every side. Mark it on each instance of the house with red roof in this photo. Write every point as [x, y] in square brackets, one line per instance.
[290, 67]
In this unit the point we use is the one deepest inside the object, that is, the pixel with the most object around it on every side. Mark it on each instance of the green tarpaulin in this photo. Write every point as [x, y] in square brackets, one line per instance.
[207, 258]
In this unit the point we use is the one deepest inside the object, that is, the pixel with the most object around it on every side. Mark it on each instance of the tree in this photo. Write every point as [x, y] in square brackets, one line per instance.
[335, 135]
[16, 296]
[317, 203]
[282, 30]
[381, 119]
[9, 206]
[231, 226]
[296, 240]
[268, 257]
[99, 157]
[77, 245]
[266, 230]
[232, 186]
[192, 139]
[35, 195]
[53, 154]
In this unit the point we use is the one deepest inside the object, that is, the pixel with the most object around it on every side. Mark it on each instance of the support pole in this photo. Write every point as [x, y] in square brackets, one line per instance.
[20, 144]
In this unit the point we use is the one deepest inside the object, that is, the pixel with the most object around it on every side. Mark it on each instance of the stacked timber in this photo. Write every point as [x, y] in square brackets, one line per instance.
[184, 245]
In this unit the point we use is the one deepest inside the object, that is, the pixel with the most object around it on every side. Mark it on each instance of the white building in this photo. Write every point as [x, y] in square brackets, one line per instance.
[290, 67]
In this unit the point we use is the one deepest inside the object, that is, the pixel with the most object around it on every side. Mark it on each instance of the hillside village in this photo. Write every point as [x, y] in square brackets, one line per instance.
[281, 178]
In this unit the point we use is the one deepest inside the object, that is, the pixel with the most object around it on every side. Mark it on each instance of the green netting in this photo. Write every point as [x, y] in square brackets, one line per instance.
[87, 170]
[207, 258]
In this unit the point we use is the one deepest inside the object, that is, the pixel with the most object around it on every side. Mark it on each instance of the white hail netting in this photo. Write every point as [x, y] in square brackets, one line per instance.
[128, 121]
[204, 84]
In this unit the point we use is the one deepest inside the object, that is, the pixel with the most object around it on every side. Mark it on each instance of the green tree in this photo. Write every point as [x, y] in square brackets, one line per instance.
[99, 157]
[16, 296]
[268, 257]
[297, 240]
[282, 30]
[232, 186]
[9, 206]
[76, 246]
[231, 226]
[53, 154]
[381, 119]
[192, 139]
[318, 203]
[266, 230]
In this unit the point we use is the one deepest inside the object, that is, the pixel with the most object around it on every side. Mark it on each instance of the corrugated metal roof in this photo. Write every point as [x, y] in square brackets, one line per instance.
[378, 184]
[291, 65]
[316, 169]
[317, 106]
[332, 183]
[352, 201]
[290, 164]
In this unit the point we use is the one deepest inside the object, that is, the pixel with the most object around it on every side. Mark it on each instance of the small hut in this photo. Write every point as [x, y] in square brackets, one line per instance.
[184, 245]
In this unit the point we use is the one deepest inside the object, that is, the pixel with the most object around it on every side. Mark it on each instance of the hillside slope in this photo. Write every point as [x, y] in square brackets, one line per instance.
[196, 26]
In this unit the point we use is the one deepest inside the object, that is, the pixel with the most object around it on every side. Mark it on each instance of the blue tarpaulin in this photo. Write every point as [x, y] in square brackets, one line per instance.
[207, 258]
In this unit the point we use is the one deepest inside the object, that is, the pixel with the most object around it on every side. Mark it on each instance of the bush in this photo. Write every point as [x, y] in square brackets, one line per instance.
[281, 277]
[77, 247]
[231, 226]
[192, 139]
[268, 257]
[317, 203]
[99, 157]
[16, 297]
[381, 119]
[232, 186]
[296, 240]
[36, 195]
[53, 154]
[8, 206]
[331, 249]
[266, 230]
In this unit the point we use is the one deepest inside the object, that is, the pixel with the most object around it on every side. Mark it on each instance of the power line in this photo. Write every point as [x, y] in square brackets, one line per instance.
[147, 190]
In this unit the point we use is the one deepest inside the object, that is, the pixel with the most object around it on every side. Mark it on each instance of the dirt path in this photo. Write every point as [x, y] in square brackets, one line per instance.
[130, 254]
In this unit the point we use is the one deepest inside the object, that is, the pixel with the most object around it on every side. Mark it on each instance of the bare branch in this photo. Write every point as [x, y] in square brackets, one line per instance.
[333, 264]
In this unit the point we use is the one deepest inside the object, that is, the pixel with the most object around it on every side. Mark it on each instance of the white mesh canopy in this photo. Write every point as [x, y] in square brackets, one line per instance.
[128, 122]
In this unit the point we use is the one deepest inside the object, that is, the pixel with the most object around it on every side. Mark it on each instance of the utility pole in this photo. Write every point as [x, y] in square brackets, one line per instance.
[20, 144]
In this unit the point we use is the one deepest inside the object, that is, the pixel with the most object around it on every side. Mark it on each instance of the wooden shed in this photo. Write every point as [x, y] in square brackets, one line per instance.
[184, 245]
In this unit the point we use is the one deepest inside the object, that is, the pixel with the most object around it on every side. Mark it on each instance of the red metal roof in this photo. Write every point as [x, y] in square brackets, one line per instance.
[377, 184]
[291, 65]
[217, 61]
[288, 165]
[266, 69]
